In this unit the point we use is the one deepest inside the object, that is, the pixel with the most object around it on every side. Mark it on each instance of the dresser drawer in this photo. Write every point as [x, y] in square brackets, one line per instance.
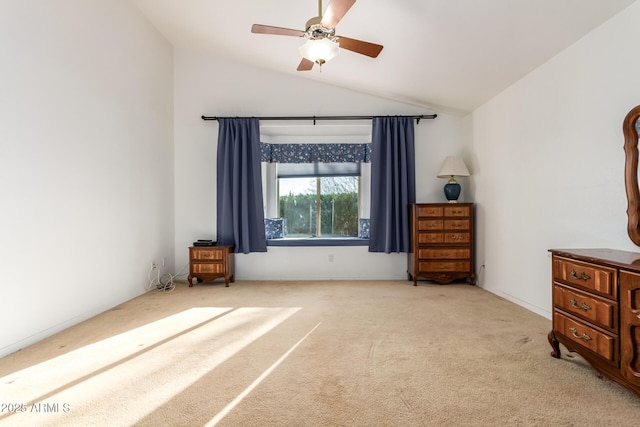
[456, 224]
[591, 277]
[207, 268]
[433, 211]
[430, 238]
[457, 211]
[457, 238]
[207, 254]
[600, 311]
[452, 238]
[444, 253]
[439, 266]
[583, 334]
[430, 224]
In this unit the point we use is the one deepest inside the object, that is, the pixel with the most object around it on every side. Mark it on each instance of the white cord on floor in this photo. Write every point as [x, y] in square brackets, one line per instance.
[164, 283]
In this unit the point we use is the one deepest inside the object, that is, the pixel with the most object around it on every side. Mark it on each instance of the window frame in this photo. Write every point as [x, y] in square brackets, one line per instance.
[318, 203]
[270, 183]
[271, 202]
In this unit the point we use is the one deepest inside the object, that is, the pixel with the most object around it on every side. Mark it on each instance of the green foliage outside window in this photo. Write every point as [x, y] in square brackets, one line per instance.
[338, 206]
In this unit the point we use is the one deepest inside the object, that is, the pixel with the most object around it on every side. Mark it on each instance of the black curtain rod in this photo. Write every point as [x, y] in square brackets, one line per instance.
[314, 118]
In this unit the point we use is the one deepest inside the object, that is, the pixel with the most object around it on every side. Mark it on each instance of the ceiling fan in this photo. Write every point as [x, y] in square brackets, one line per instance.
[322, 42]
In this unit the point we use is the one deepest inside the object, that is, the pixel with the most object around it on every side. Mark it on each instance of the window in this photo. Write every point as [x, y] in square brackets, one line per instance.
[319, 206]
[316, 202]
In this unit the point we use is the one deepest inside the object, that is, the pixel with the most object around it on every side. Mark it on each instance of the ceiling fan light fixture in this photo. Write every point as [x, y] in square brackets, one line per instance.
[320, 51]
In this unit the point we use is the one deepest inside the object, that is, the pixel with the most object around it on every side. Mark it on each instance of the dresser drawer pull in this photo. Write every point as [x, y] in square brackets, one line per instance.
[584, 336]
[584, 306]
[582, 276]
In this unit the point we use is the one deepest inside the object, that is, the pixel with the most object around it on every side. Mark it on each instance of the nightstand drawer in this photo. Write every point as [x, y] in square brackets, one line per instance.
[208, 254]
[586, 336]
[444, 253]
[600, 311]
[207, 268]
[590, 277]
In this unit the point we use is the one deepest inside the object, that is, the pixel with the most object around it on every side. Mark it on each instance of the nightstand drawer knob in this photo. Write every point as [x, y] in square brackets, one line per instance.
[582, 275]
[584, 336]
[584, 306]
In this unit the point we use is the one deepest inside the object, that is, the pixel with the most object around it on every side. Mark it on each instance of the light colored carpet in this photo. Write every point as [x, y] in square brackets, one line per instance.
[326, 353]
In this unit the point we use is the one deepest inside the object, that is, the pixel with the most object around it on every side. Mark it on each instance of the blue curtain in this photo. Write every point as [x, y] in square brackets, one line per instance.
[240, 212]
[393, 183]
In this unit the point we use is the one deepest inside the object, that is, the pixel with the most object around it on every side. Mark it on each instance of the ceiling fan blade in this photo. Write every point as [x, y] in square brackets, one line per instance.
[305, 65]
[335, 11]
[358, 46]
[277, 31]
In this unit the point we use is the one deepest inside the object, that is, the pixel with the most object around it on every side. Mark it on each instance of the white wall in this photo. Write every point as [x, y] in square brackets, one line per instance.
[86, 154]
[205, 85]
[94, 100]
[548, 161]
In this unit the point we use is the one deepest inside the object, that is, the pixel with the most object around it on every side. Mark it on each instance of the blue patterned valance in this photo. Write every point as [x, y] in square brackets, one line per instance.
[312, 153]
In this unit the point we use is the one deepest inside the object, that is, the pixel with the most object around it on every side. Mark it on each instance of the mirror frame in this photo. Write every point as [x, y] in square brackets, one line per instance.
[631, 173]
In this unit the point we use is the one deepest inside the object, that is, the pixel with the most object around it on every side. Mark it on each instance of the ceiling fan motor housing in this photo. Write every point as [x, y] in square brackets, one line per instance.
[316, 31]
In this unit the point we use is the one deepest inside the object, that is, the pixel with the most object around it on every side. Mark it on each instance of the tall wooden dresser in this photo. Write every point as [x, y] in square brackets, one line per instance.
[596, 310]
[211, 262]
[441, 242]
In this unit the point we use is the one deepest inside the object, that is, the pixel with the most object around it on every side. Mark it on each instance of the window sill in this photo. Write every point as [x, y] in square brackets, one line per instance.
[318, 241]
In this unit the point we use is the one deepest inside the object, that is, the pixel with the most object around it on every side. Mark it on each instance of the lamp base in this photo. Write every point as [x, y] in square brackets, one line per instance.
[452, 191]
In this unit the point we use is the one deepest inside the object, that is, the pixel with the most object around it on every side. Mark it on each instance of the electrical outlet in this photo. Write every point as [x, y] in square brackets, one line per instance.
[153, 265]
[330, 257]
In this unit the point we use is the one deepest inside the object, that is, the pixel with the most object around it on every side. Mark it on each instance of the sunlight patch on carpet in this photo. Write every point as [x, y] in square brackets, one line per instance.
[153, 363]
[215, 420]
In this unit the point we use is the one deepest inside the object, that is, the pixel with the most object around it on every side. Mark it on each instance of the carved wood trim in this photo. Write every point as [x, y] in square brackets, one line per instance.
[631, 173]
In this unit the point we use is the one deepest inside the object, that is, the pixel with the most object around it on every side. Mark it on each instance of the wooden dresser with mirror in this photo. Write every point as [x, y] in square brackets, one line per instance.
[596, 310]
[596, 292]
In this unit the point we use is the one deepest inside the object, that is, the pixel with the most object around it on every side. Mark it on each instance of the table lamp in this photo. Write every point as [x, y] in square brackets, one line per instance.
[453, 166]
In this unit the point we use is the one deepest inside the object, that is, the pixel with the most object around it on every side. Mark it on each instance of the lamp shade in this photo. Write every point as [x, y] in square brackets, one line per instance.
[320, 50]
[453, 166]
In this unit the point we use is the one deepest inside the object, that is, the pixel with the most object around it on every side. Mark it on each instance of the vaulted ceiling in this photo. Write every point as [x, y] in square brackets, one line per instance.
[449, 55]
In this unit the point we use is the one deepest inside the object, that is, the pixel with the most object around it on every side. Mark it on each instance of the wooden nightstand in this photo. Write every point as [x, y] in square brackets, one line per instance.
[210, 263]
